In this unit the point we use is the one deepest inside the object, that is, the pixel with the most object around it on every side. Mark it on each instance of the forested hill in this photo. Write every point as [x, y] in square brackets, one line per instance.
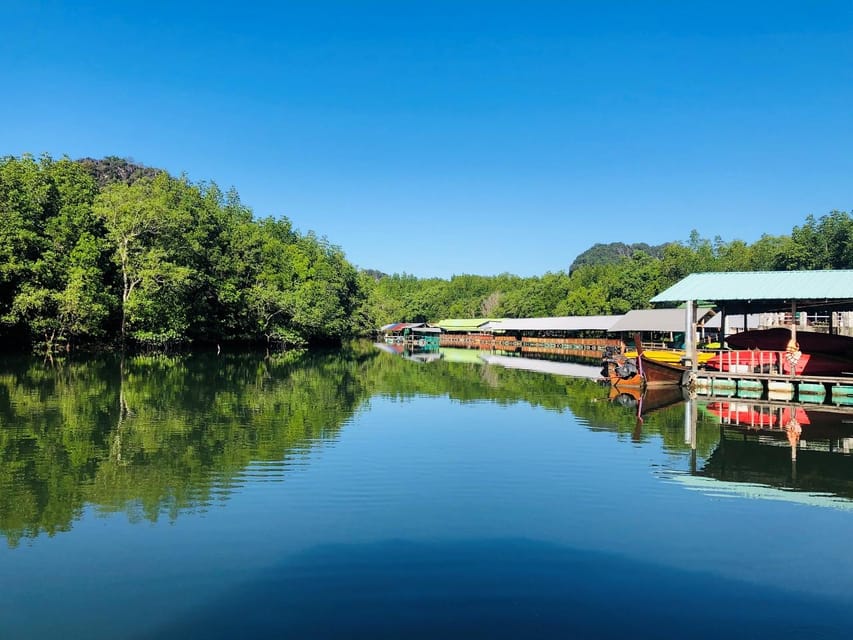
[113, 169]
[107, 252]
[612, 279]
[614, 252]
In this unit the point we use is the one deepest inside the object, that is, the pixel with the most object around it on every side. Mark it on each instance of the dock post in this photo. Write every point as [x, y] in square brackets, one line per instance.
[690, 356]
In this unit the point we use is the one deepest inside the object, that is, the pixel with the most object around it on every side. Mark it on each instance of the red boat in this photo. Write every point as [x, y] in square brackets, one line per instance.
[777, 340]
[808, 364]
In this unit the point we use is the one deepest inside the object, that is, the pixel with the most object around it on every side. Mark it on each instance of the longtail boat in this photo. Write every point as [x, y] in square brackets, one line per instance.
[642, 370]
[662, 373]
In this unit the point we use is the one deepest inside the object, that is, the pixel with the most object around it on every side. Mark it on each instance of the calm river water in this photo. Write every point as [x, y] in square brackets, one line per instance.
[358, 494]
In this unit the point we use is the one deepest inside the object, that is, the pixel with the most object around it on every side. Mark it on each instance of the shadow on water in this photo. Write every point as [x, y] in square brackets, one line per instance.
[499, 589]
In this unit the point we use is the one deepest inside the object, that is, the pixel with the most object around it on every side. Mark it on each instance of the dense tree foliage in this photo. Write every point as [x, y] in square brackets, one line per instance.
[109, 251]
[612, 278]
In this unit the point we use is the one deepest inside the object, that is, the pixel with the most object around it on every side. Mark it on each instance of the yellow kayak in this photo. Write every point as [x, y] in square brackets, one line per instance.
[670, 356]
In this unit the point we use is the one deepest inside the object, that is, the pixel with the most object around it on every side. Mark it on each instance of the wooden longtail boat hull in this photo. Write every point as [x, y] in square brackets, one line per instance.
[652, 374]
[661, 373]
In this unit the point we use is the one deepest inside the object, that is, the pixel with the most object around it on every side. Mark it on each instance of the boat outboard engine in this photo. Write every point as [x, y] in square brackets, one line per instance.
[627, 369]
[608, 359]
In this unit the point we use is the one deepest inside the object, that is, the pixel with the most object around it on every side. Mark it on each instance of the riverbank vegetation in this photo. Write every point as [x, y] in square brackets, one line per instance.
[614, 278]
[111, 253]
[107, 252]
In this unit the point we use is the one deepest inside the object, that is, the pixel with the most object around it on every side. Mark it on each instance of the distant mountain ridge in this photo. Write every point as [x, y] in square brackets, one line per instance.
[613, 252]
[113, 169]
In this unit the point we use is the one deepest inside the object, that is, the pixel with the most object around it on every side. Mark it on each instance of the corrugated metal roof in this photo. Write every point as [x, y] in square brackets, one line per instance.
[563, 323]
[655, 320]
[761, 285]
[399, 326]
[426, 330]
[464, 324]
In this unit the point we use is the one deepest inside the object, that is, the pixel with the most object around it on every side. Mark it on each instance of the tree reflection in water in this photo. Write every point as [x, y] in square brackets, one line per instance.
[156, 435]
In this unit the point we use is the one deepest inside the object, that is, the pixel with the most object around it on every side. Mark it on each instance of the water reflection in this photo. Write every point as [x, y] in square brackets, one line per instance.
[791, 447]
[153, 436]
[156, 436]
[361, 494]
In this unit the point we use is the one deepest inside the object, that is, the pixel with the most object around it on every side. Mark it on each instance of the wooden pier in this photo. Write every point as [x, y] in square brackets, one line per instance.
[591, 348]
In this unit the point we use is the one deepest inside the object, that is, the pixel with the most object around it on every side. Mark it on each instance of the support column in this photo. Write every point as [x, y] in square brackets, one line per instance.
[690, 334]
[794, 321]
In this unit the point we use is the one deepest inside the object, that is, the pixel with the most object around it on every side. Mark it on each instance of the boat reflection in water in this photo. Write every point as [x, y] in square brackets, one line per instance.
[646, 401]
[774, 451]
[782, 452]
[767, 450]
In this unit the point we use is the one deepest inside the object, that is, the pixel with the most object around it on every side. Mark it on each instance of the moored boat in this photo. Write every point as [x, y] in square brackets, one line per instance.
[763, 361]
[777, 339]
[662, 373]
[670, 356]
[642, 370]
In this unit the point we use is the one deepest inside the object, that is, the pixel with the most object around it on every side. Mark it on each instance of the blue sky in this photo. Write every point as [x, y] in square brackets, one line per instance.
[438, 138]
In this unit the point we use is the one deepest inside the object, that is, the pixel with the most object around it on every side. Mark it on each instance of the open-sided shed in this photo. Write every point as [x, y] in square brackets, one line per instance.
[759, 291]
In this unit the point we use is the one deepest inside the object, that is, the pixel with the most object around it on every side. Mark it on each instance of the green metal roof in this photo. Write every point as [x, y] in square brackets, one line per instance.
[464, 324]
[761, 285]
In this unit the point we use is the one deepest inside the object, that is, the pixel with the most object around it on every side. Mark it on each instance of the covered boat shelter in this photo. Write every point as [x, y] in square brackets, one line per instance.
[752, 292]
[573, 336]
[555, 326]
[658, 321]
